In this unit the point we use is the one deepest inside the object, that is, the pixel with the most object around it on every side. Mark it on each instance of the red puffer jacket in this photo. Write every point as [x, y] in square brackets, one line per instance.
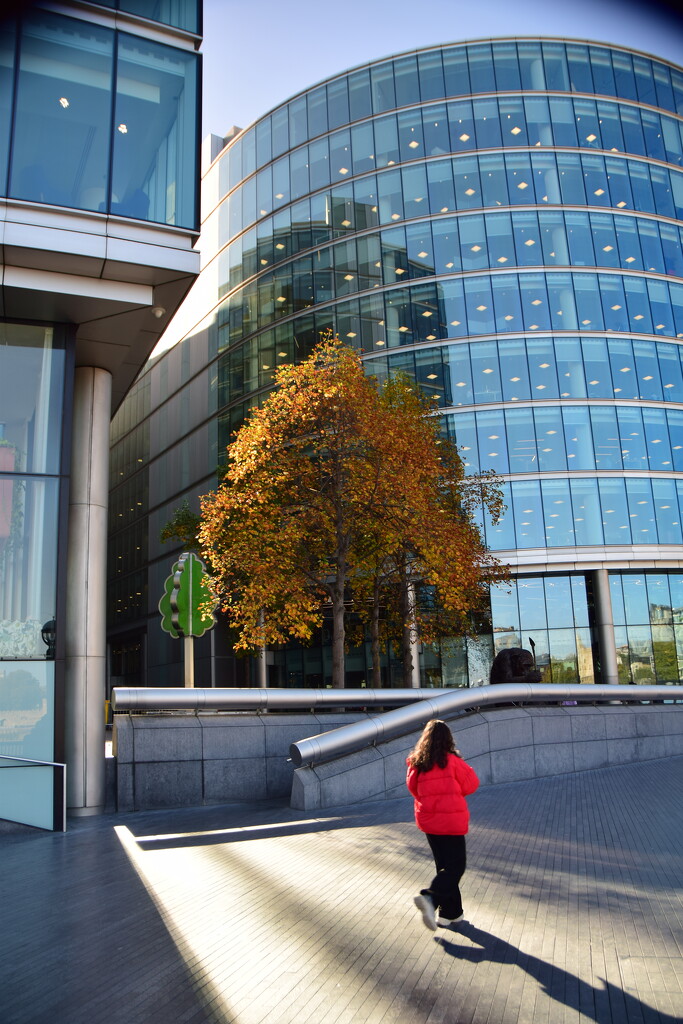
[440, 805]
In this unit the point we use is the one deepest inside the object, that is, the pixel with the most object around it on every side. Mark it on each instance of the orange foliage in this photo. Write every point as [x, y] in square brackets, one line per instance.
[326, 485]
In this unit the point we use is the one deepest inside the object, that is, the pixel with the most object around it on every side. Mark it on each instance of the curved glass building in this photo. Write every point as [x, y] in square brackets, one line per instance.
[502, 221]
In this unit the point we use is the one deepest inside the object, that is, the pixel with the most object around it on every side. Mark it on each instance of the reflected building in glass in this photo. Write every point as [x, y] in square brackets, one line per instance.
[99, 178]
[502, 222]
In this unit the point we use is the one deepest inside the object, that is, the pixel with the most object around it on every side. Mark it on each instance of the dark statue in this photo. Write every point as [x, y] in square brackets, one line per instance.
[514, 665]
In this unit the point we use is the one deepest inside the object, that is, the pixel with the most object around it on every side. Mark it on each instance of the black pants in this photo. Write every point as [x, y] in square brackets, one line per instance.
[451, 860]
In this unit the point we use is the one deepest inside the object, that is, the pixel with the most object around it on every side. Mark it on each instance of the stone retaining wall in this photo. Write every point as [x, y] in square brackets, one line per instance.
[185, 760]
[505, 745]
[180, 759]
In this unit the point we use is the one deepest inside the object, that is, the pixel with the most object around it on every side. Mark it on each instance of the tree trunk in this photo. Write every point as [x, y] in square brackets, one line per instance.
[406, 633]
[338, 637]
[374, 636]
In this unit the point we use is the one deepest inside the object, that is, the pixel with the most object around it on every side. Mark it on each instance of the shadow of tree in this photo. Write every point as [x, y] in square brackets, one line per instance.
[603, 1005]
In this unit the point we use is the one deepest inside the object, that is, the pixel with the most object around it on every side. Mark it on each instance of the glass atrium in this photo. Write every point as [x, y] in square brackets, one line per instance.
[503, 222]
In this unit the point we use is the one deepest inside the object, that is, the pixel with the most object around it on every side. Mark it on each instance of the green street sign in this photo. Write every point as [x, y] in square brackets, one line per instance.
[188, 603]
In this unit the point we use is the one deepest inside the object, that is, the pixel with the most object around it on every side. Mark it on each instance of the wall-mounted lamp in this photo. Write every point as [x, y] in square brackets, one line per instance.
[49, 635]
[158, 311]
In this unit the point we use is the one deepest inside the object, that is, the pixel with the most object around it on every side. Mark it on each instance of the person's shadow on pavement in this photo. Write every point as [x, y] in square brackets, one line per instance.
[601, 1005]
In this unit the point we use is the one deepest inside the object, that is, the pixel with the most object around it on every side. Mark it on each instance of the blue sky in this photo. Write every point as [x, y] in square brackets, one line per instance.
[258, 53]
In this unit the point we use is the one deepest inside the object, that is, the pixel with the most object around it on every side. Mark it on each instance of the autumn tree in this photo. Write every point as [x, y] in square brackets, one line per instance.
[435, 579]
[332, 488]
[182, 527]
[282, 531]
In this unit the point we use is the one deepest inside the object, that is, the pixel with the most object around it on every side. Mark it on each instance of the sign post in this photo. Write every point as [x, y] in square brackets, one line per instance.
[187, 606]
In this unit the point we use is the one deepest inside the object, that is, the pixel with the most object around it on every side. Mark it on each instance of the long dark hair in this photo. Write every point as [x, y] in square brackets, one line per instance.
[433, 746]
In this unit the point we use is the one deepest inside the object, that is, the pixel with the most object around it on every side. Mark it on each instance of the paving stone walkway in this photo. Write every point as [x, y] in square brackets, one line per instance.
[260, 915]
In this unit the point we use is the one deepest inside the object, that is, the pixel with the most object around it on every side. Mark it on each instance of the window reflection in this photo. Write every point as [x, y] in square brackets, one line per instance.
[7, 57]
[28, 562]
[31, 385]
[552, 513]
[68, 115]
[154, 168]
[27, 709]
[545, 610]
[647, 607]
[496, 240]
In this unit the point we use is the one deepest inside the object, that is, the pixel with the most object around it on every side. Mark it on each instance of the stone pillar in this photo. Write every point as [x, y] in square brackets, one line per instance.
[605, 626]
[85, 638]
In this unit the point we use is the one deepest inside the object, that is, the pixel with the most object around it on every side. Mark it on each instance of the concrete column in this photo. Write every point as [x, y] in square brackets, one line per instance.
[605, 626]
[85, 637]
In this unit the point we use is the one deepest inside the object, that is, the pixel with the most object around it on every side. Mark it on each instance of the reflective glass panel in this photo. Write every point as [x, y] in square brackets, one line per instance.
[635, 598]
[563, 656]
[506, 66]
[641, 655]
[670, 369]
[337, 103]
[615, 516]
[531, 598]
[578, 438]
[514, 369]
[641, 512]
[521, 441]
[676, 591]
[528, 513]
[632, 438]
[572, 381]
[586, 512]
[501, 536]
[542, 369]
[28, 563]
[492, 441]
[440, 186]
[63, 113]
[657, 439]
[360, 96]
[155, 127]
[557, 513]
[463, 429]
[27, 710]
[458, 374]
[31, 386]
[505, 610]
[179, 13]
[7, 43]
[550, 439]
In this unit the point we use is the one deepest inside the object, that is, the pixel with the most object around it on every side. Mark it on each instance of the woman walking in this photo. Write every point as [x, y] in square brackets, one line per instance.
[439, 780]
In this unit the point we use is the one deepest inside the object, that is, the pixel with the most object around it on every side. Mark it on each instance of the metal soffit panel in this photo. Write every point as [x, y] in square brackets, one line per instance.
[59, 271]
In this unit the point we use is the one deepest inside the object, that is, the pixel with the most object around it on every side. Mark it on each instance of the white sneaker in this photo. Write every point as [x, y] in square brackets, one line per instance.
[425, 905]
[444, 922]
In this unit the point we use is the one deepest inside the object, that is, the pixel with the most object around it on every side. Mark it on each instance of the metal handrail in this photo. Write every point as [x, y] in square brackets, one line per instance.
[177, 698]
[401, 721]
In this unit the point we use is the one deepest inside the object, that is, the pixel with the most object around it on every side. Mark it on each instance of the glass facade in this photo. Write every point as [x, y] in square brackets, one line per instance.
[99, 118]
[503, 222]
[121, 113]
[33, 367]
[183, 14]
[164, 451]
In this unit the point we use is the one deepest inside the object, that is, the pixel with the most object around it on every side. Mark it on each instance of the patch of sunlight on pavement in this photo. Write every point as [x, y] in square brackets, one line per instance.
[259, 922]
[241, 831]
